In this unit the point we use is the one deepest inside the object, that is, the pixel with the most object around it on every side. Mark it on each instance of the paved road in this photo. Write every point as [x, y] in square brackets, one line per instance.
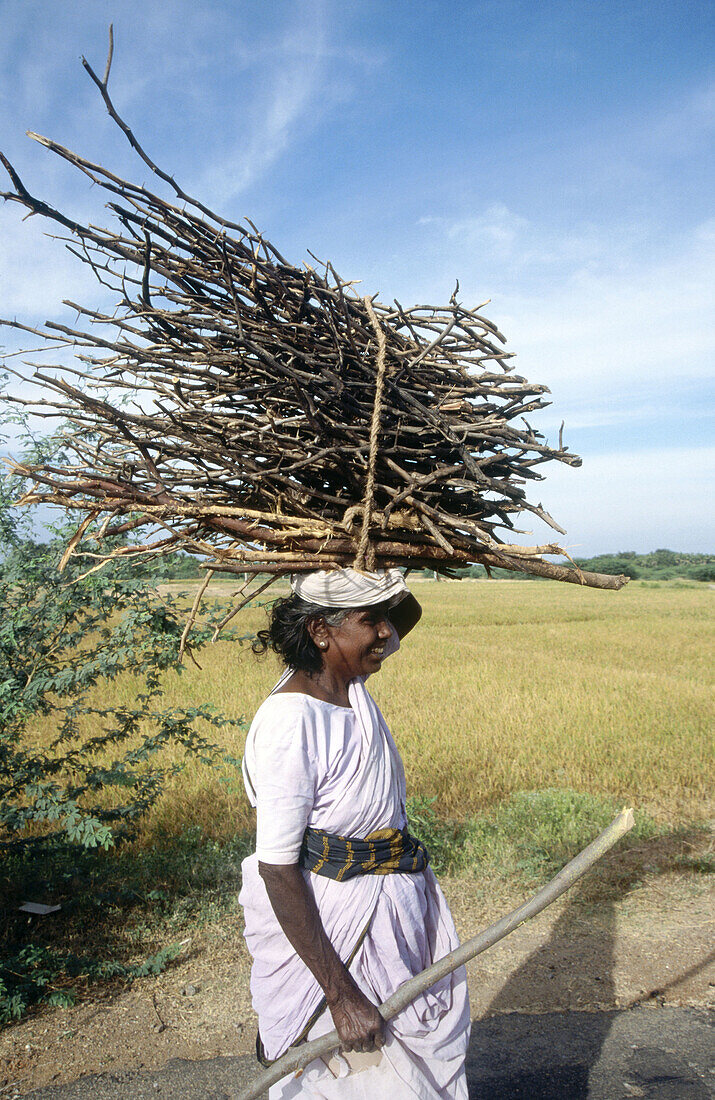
[656, 1053]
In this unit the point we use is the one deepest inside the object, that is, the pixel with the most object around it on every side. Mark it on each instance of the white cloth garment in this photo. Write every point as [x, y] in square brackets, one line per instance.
[338, 769]
[349, 588]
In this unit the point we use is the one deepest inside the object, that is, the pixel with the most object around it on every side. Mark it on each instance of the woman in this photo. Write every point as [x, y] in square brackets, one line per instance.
[340, 905]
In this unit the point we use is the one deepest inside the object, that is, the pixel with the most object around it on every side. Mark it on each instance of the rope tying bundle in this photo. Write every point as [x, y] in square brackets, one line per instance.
[365, 557]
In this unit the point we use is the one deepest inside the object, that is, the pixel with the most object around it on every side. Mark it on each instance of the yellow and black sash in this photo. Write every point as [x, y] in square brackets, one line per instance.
[384, 852]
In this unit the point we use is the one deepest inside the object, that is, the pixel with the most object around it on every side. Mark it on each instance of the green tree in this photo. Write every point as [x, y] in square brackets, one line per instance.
[100, 768]
[96, 768]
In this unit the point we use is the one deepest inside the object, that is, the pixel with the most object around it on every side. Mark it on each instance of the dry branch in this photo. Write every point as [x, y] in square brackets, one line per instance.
[264, 416]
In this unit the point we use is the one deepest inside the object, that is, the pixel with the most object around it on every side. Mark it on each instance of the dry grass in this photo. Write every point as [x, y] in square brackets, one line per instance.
[518, 686]
[505, 686]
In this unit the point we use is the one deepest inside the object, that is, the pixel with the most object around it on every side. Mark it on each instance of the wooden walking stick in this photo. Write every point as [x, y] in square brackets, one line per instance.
[297, 1058]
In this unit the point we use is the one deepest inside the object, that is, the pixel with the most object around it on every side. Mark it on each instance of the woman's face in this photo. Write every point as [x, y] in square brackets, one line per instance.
[356, 646]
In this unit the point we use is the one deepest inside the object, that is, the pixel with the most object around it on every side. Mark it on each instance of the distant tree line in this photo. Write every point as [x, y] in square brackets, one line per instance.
[661, 565]
[658, 565]
[176, 567]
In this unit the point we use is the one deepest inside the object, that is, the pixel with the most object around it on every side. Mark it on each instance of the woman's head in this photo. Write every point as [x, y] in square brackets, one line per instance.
[289, 634]
[334, 618]
[350, 642]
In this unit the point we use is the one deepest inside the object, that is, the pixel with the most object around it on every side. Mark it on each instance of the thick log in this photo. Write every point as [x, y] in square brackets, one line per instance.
[539, 568]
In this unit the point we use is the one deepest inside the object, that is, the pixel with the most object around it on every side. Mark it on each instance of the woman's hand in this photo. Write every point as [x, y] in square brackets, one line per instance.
[357, 1020]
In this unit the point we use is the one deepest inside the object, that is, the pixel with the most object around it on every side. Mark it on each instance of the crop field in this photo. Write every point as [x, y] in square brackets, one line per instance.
[504, 686]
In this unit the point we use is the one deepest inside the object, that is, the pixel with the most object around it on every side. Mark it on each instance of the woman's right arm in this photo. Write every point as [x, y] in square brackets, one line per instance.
[358, 1021]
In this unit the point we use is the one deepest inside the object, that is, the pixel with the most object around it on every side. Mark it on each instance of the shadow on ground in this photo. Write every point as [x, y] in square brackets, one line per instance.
[659, 1054]
[603, 1054]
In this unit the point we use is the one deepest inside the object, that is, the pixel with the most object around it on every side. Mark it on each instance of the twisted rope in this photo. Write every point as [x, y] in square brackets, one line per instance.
[365, 557]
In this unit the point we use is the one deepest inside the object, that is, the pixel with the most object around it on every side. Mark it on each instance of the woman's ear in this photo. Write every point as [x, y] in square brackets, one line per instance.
[318, 630]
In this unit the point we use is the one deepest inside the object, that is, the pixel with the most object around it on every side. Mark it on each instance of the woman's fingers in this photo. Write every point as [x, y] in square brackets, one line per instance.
[364, 1044]
[358, 1021]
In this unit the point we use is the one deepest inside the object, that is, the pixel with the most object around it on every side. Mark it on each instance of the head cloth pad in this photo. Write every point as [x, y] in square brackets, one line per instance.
[348, 588]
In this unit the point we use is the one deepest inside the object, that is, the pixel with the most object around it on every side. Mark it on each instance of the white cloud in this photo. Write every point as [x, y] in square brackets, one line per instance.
[648, 324]
[679, 127]
[37, 273]
[611, 321]
[288, 100]
[497, 228]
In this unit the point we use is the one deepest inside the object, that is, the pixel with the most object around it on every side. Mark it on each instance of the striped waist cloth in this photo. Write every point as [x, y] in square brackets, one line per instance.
[384, 852]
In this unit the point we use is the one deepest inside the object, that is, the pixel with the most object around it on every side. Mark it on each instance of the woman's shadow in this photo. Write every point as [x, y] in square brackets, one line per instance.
[519, 1051]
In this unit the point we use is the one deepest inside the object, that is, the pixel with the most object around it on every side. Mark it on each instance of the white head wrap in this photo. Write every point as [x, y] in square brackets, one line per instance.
[348, 588]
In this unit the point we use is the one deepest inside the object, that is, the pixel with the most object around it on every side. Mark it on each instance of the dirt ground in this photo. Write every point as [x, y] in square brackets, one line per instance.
[651, 946]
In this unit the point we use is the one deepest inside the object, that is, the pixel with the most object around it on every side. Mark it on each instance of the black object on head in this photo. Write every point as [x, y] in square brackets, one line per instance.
[288, 634]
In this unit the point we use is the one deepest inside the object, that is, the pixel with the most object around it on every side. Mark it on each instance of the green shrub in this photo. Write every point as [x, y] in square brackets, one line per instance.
[62, 635]
[98, 768]
[531, 835]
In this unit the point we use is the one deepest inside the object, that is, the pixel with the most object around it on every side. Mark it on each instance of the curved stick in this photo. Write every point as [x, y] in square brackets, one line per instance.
[549, 569]
[297, 1058]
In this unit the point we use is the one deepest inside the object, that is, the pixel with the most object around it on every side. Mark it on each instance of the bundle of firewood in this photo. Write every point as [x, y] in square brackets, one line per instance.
[266, 417]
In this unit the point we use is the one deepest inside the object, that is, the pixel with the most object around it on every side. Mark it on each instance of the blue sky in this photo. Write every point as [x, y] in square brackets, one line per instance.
[555, 157]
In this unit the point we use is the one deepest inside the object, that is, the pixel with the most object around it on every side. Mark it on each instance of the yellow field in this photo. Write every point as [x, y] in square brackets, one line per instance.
[507, 686]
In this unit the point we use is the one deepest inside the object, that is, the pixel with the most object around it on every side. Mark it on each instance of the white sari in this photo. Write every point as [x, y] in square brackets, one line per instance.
[308, 762]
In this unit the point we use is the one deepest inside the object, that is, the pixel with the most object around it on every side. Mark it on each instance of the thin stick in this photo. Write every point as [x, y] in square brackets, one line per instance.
[239, 607]
[110, 55]
[297, 1058]
[194, 612]
[364, 557]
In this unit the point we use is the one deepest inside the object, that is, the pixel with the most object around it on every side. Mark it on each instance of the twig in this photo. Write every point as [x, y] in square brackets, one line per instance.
[240, 606]
[194, 612]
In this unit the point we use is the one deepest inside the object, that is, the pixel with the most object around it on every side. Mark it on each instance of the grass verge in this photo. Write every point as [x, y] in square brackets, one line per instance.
[529, 836]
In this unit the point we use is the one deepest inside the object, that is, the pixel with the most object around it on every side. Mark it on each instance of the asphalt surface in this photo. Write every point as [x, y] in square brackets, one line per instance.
[657, 1053]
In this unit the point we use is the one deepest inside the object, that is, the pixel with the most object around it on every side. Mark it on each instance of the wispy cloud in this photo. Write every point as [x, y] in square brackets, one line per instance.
[677, 127]
[648, 323]
[593, 308]
[286, 105]
[37, 273]
[496, 228]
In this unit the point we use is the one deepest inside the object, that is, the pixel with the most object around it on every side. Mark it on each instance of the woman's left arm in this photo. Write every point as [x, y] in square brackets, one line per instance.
[405, 615]
[358, 1021]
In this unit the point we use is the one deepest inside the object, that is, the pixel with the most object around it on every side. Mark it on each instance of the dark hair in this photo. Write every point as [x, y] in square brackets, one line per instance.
[288, 635]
